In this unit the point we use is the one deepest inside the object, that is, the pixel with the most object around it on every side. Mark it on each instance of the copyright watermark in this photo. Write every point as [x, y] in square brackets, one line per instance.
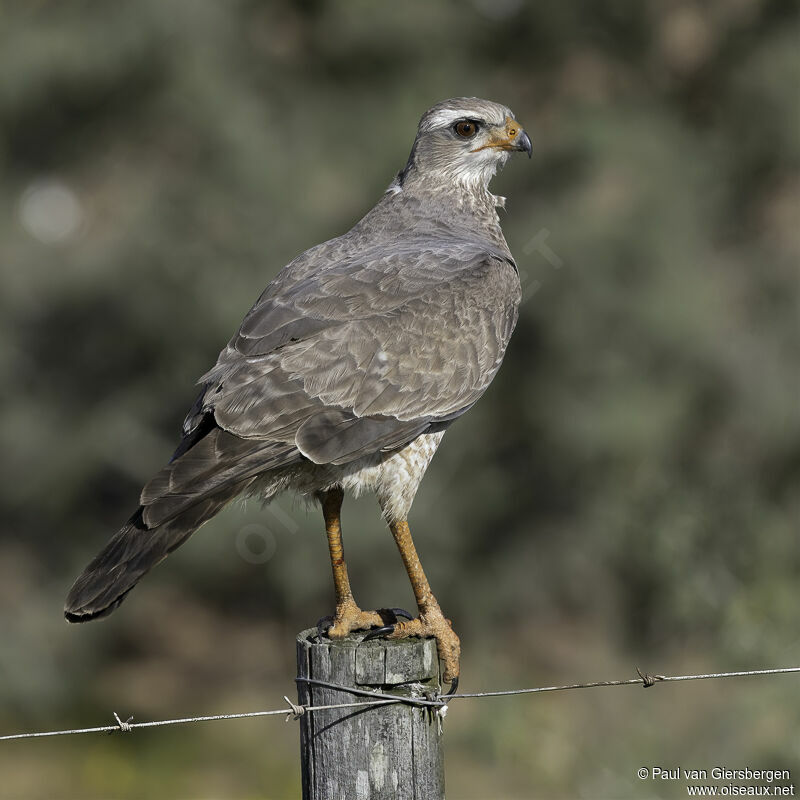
[257, 543]
[724, 781]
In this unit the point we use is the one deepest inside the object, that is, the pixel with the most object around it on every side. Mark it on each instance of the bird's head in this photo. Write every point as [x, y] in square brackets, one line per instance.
[465, 140]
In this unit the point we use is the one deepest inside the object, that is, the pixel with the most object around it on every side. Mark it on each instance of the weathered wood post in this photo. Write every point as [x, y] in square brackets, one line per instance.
[391, 752]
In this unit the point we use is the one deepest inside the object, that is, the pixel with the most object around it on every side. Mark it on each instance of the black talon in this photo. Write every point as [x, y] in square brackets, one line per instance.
[324, 624]
[389, 616]
[378, 632]
[453, 687]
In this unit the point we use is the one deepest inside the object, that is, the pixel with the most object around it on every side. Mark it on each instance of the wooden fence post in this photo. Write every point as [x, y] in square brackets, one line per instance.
[392, 752]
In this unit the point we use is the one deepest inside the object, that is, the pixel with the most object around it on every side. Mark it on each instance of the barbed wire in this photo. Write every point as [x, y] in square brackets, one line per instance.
[430, 701]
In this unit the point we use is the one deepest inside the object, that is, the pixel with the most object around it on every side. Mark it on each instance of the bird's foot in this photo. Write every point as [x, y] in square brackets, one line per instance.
[349, 617]
[430, 622]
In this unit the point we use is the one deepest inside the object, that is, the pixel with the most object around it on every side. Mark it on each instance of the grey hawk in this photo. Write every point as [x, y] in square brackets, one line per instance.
[347, 372]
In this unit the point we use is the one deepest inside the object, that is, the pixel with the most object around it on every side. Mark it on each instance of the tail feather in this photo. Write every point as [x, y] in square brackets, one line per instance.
[215, 464]
[130, 554]
[208, 470]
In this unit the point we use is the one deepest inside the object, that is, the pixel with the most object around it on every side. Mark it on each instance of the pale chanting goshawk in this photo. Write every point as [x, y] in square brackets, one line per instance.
[347, 371]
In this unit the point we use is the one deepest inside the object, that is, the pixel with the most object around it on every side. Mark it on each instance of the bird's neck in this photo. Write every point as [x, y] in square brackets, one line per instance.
[463, 206]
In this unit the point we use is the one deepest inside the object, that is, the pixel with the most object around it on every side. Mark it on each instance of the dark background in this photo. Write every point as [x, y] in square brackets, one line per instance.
[625, 494]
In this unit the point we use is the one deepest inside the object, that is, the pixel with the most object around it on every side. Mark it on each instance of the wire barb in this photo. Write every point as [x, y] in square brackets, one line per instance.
[123, 727]
[649, 680]
[295, 711]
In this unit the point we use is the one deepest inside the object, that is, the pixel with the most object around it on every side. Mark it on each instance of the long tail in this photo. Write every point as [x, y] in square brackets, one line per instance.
[184, 495]
[131, 553]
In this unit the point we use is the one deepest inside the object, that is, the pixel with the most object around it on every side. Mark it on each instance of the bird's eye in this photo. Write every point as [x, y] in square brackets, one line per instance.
[466, 129]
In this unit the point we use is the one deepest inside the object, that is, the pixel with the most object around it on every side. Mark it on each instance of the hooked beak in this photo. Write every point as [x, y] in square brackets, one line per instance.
[510, 137]
[523, 143]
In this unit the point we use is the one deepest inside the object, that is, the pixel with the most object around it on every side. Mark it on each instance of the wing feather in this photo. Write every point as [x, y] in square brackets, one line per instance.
[367, 352]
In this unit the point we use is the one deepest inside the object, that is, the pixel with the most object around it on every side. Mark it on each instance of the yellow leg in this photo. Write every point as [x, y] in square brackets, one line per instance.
[431, 621]
[348, 616]
[331, 511]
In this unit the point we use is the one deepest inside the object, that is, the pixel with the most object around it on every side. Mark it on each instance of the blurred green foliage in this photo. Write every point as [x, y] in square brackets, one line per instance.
[627, 491]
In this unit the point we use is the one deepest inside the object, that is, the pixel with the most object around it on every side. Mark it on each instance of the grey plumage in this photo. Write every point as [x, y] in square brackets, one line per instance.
[351, 364]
